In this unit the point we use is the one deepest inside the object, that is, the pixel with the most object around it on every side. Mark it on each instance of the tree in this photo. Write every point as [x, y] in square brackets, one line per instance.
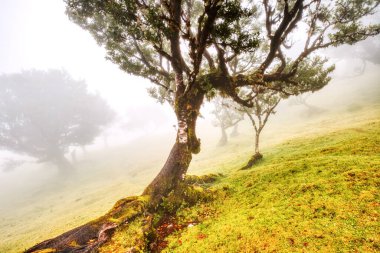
[263, 106]
[367, 51]
[226, 116]
[184, 47]
[43, 113]
[311, 110]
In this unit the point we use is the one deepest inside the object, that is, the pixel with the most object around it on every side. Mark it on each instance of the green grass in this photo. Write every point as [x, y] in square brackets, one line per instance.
[316, 194]
[270, 207]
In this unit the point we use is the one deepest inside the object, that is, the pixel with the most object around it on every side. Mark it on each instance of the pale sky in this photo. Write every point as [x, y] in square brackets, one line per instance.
[37, 34]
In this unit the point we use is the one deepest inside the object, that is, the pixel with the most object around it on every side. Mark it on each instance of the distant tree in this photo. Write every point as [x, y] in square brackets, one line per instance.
[226, 116]
[367, 51]
[265, 99]
[264, 104]
[43, 113]
[302, 100]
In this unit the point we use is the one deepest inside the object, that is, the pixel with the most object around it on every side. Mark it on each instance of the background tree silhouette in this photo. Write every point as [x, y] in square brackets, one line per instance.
[226, 116]
[367, 51]
[43, 113]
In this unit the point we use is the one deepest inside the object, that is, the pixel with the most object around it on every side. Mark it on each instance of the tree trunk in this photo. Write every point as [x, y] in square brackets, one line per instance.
[187, 143]
[256, 156]
[257, 140]
[62, 163]
[235, 131]
[171, 174]
[224, 139]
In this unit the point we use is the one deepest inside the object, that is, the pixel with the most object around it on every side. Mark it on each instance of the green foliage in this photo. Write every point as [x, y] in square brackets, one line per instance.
[234, 27]
[127, 32]
[347, 20]
[312, 75]
[147, 39]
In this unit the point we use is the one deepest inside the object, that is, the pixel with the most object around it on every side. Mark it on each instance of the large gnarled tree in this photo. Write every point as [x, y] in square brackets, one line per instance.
[185, 47]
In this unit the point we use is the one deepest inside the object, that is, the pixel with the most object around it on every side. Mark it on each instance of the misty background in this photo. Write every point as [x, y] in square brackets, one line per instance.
[131, 150]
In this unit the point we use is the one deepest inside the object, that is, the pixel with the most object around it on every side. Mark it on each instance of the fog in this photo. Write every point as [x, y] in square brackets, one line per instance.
[130, 149]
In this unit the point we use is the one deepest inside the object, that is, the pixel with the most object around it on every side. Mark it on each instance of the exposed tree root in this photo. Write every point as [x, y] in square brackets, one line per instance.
[89, 237]
[254, 159]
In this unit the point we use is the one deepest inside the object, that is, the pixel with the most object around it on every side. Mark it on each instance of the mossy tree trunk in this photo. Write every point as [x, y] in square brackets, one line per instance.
[187, 143]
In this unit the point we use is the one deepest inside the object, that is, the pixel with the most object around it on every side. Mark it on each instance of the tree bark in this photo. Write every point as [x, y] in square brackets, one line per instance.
[171, 174]
[187, 143]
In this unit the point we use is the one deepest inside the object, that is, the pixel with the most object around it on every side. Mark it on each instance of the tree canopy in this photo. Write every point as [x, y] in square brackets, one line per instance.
[43, 113]
[201, 39]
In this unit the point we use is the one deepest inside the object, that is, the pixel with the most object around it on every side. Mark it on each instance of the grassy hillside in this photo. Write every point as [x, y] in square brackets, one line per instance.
[316, 194]
[318, 186]
[308, 195]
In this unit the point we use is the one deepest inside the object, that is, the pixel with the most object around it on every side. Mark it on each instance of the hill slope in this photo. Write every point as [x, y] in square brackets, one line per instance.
[316, 195]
